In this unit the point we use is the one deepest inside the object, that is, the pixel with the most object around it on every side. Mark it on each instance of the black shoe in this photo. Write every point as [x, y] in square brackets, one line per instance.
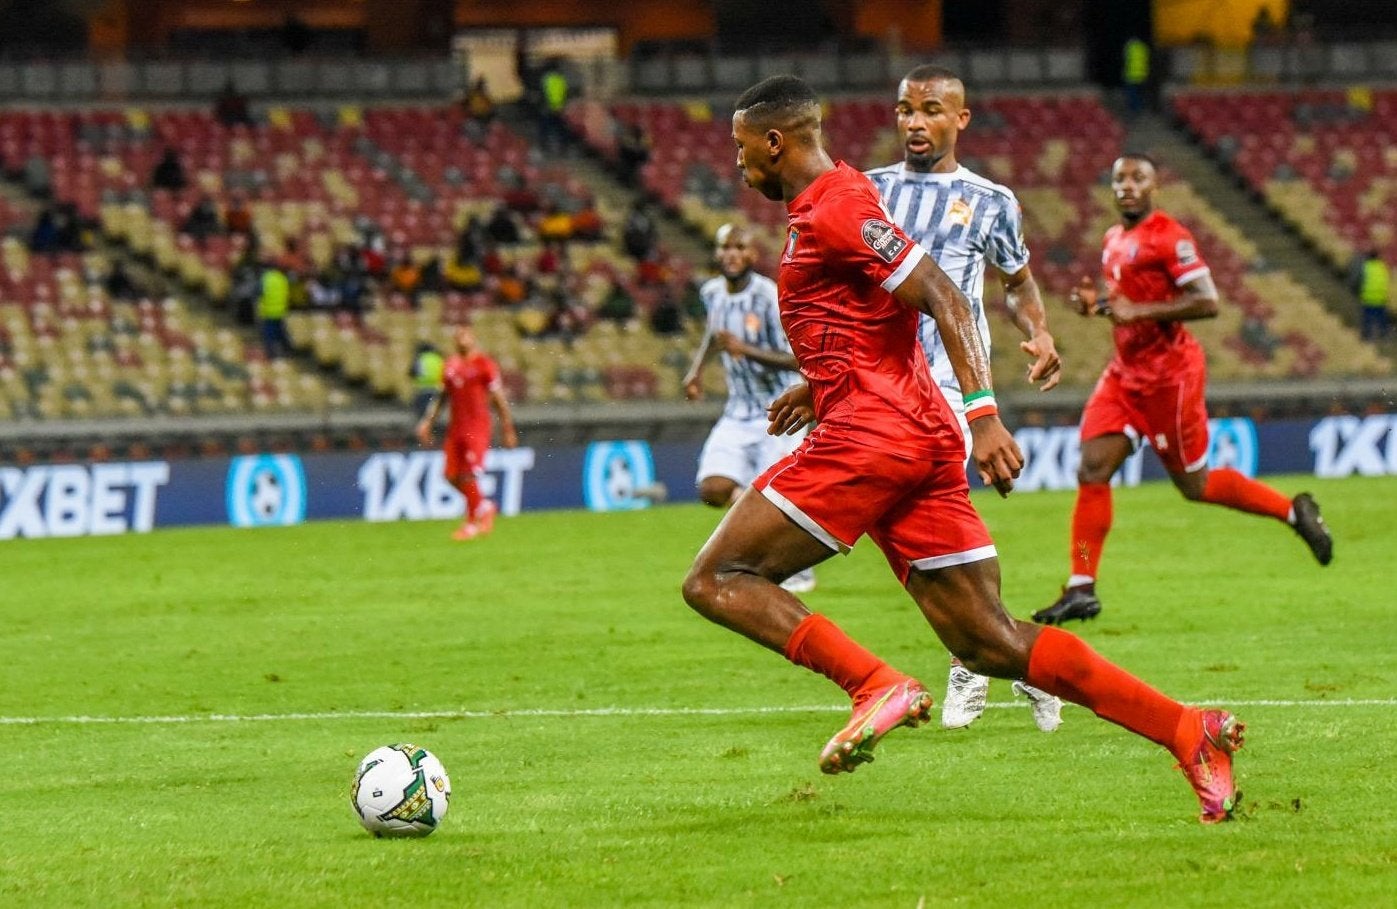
[1075, 603]
[1311, 527]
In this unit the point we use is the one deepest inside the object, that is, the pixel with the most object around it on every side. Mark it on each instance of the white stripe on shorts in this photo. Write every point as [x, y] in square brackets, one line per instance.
[977, 554]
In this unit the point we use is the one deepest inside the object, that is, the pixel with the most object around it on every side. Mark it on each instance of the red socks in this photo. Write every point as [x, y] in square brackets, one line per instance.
[1091, 521]
[820, 646]
[471, 490]
[1236, 490]
[1065, 665]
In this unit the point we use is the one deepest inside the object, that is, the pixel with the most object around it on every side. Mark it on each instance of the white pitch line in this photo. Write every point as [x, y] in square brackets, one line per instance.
[563, 714]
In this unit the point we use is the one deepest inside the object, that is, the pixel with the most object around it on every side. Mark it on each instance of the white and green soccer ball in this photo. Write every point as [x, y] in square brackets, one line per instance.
[400, 790]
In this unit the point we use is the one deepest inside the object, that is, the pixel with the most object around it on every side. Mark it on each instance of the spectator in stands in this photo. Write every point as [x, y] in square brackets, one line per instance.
[552, 132]
[44, 237]
[470, 242]
[632, 153]
[640, 232]
[36, 176]
[502, 226]
[202, 221]
[617, 305]
[1373, 290]
[427, 363]
[230, 107]
[351, 281]
[463, 275]
[478, 105]
[555, 225]
[272, 307]
[238, 218]
[587, 224]
[169, 172]
[118, 283]
[405, 277]
[550, 258]
[1135, 75]
[245, 288]
[666, 318]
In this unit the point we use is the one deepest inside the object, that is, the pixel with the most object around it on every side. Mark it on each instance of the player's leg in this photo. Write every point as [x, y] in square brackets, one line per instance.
[1092, 514]
[456, 469]
[765, 450]
[1182, 419]
[723, 471]
[792, 519]
[962, 604]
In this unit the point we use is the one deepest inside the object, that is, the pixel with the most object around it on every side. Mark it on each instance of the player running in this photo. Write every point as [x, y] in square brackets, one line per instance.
[887, 459]
[965, 222]
[744, 329]
[471, 380]
[1152, 390]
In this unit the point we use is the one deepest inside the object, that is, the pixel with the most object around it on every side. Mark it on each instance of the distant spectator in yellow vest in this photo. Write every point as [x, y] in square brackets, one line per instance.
[271, 311]
[427, 365]
[1135, 74]
[552, 133]
[1373, 289]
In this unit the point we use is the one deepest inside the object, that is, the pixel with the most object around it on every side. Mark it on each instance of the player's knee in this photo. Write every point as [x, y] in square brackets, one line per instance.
[716, 491]
[1095, 470]
[700, 589]
[1191, 487]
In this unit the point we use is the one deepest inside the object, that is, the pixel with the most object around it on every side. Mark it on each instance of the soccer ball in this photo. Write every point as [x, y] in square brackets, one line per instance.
[400, 790]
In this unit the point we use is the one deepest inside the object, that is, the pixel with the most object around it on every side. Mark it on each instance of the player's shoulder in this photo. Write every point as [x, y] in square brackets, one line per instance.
[1161, 222]
[762, 286]
[714, 285]
[885, 174]
[984, 186]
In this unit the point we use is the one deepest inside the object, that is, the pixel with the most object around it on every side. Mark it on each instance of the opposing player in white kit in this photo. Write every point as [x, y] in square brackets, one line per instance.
[964, 221]
[744, 328]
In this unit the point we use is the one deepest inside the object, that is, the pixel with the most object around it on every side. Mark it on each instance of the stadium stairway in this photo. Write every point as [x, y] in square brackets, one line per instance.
[1279, 246]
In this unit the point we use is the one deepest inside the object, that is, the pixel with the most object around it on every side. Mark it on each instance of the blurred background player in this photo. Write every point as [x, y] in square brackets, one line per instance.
[965, 221]
[1153, 387]
[471, 381]
[887, 460]
[744, 330]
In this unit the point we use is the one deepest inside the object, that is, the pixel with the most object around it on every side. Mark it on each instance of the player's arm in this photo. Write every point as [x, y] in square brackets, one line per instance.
[429, 419]
[793, 410]
[735, 346]
[693, 379]
[1025, 302]
[508, 434]
[928, 289]
[1198, 299]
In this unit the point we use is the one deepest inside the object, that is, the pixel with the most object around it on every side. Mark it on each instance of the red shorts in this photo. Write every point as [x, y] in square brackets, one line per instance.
[464, 455]
[917, 511]
[1172, 418]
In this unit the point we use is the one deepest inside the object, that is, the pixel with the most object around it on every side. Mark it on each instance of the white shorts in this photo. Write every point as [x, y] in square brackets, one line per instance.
[957, 402]
[741, 449]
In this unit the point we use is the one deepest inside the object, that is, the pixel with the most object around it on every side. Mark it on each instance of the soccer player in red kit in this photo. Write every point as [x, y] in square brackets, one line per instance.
[887, 459]
[471, 382]
[1152, 390]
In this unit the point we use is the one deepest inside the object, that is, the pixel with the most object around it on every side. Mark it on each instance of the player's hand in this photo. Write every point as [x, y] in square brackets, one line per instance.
[1047, 365]
[730, 343]
[510, 437]
[693, 389]
[1125, 312]
[996, 454]
[1084, 296]
[793, 410]
[424, 432]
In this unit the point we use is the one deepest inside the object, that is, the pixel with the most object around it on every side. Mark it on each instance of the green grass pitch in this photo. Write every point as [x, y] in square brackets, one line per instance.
[607, 747]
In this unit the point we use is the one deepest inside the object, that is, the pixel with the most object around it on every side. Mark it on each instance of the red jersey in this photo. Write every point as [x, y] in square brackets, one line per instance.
[466, 382]
[1148, 263]
[856, 344]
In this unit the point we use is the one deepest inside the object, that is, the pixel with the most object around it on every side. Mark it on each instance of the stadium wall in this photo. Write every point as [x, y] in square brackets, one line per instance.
[80, 499]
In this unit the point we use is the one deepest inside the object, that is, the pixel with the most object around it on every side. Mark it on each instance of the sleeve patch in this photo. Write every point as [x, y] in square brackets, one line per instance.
[1186, 253]
[882, 239]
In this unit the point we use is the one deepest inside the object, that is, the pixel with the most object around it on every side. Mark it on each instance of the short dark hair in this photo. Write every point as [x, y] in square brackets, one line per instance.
[930, 72]
[1139, 156]
[779, 99]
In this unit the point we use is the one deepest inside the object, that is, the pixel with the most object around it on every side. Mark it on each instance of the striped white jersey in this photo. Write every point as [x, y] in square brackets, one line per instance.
[752, 316]
[964, 221]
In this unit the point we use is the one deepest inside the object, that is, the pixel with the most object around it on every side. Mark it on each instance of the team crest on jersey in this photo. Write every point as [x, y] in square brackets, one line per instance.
[1185, 252]
[752, 323]
[1132, 250]
[959, 213]
[791, 245]
[882, 239]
